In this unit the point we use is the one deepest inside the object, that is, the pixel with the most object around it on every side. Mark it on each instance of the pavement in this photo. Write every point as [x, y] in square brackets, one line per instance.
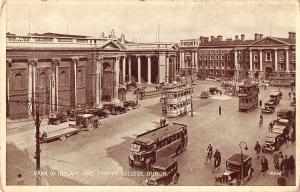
[100, 156]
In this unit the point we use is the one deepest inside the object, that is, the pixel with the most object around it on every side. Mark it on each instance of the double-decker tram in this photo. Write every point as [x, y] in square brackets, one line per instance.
[248, 97]
[158, 143]
[177, 101]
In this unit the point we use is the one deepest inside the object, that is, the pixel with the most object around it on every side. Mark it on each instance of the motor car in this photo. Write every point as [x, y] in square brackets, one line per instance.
[275, 97]
[285, 114]
[281, 129]
[284, 122]
[213, 90]
[232, 174]
[73, 112]
[86, 122]
[204, 95]
[114, 109]
[273, 141]
[293, 103]
[268, 108]
[163, 172]
[57, 117]
[130, 105]
[61, 134]
[99, 112]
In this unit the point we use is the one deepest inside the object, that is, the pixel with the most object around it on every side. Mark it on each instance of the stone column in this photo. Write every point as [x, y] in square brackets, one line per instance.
[32, 83]
[167, 69]
[162, 68]
[193, 60]
[139, 69]
[196, 61]
[275, 60]
[236, 65]
[97, 83]
[74, 82]
[181, 60]
[117, 75]
[129, 68]
[8, 64]
[287, 68]
[260, 60]
[149, 69]
[54, 84]
[250, 60]
[124, 70]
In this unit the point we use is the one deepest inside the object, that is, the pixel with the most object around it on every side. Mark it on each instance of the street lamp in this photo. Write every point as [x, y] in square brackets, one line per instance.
[242, 167]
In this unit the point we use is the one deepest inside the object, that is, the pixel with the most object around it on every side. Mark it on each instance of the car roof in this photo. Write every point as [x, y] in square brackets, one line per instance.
[275, 93]
[272, 134]
[283, 120]
[159, 133]
[164, 162]
[85, 115]
[236, 158]
[248, 85]
[284, 111]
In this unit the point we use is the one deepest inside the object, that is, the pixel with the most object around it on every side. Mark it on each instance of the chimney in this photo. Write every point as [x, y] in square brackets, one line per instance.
[219, 37]
[261, 36]
[242, 37]
[292, 35]
[201, 39]
[236, 38]
[212, 38]
[256, 36]
[206, 39]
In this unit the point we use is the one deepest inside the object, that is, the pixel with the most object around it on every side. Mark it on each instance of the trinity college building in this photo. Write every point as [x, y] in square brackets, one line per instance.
[66, 71]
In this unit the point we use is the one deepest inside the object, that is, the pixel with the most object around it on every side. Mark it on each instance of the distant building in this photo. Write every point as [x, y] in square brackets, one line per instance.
[262, 58]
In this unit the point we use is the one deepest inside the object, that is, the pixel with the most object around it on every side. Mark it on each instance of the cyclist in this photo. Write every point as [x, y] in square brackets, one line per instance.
[209, 152]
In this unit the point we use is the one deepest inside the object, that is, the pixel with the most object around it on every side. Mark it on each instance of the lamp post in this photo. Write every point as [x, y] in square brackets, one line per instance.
[242, 167]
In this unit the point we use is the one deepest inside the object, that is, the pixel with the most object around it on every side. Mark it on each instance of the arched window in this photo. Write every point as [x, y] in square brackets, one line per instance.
[18, 82]
[63, 78]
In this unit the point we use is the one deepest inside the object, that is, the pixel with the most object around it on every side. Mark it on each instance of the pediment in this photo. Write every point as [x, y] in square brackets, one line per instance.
[269, 41]
[111, 46]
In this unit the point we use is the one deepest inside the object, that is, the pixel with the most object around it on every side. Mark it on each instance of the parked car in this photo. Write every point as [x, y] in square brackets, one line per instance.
[275, 97]
[214, 90]
[285, 114]
[57, 117]
[231, 175]
[269, 107]
[86, 122]
[99, 112]
[273, 141]
[163, 172]
[114, 109]
[293, 103]
[61, 134]
[73, 112]
[130, 105]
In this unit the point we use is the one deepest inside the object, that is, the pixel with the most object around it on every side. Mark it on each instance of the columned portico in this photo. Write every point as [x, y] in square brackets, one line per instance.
[139, 68]
[149, 69]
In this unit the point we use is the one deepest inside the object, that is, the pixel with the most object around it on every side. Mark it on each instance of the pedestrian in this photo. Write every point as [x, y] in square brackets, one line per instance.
[291, 164]
[220, 110]
[261, 119]
[265, 87]
[162, 121]
[20, 180]
[276, 156]
[217, 158]
[293, 135]
[177, 175]
[285, 165]
[264, 165]
[281, 181]
[257, 148]
[290, 94]
[220, 93]
[260, 103]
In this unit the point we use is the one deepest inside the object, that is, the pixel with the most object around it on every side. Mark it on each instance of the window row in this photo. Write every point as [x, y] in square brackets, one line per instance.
[179, 105]
[169, 140]
[171, 95]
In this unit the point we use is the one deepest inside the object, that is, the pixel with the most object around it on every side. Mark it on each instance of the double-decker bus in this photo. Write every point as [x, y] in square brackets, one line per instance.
[177, 101]
[164, 141]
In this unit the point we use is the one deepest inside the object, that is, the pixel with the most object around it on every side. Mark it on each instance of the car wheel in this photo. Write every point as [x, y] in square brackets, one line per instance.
[62, 138]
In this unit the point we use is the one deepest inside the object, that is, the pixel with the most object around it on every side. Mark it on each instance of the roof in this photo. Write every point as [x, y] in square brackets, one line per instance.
[178, 89]
[163, 163]
[159, 133]
[49, 34]
[236, 158]
[248, 85]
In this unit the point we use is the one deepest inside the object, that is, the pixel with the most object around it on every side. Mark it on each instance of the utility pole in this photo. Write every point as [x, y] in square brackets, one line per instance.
[38, 150]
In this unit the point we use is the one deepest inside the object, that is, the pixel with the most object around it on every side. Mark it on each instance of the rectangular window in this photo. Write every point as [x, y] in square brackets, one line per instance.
[211, 57]
[240, 57]
[281, 57]
[210, 64]
[293, 57]
[255, 57]
[201, 57]
[222, 57]
[228, 57]
[217, 57]
[268, 56]
[206, 57]
[223, 64]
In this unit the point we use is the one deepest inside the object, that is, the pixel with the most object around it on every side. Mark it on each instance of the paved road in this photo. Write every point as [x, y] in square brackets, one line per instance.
[99, 157]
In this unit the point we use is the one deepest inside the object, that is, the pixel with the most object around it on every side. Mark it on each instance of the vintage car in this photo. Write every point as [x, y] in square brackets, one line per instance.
[272, 142]
[163, 172]
[86, 122]
[285, 114]
[57, 117]
[130, 105]
[99, 112]
[232, 174]
[269, 108]
[61, 134]
[275, 97]
[114, 109]
[281, 129]
[73, 112]
[204, 95]
[284, 122]
[214, 90]
[293, 103]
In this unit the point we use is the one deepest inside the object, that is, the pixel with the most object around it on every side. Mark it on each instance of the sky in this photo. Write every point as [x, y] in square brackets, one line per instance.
[176, 20]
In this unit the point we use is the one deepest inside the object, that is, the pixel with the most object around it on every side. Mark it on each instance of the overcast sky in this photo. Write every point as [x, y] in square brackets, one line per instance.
[176, 19]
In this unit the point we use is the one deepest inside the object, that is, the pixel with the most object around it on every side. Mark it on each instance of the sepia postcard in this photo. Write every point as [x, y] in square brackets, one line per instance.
[187, 95]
